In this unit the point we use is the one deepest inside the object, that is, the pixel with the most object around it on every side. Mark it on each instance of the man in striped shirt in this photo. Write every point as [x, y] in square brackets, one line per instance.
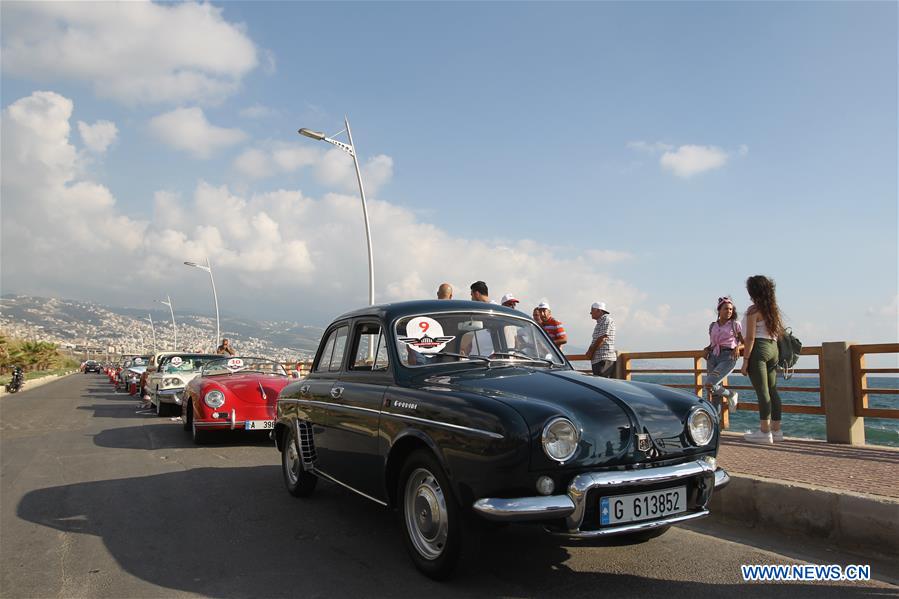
[602, 350]
[553, 327]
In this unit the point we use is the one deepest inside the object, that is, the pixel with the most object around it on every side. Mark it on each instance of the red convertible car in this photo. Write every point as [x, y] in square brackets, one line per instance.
[232, 393]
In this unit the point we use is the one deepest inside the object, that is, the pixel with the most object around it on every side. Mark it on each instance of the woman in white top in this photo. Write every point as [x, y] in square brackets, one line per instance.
[761, 328]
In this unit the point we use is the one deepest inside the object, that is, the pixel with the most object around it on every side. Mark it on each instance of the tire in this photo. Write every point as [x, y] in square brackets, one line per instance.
[187, 416]
[431, 519]
[198, 435]
[299, 482]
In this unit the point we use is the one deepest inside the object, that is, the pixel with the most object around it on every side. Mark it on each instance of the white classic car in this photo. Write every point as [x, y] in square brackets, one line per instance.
[167, 380]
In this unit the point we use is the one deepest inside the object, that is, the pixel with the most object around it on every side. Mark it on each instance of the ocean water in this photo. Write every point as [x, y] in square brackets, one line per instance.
[878, 431]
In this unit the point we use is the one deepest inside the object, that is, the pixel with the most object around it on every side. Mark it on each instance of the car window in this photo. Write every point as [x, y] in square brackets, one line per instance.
[371, 351]
[333, 351]
[339, 348]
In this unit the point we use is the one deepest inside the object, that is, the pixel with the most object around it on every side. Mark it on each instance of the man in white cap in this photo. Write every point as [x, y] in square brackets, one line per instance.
[552, 326]
[602, 350]
[509, 300]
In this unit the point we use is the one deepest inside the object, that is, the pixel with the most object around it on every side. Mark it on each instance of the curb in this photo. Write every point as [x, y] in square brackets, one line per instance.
[37, 382]
[849, 520]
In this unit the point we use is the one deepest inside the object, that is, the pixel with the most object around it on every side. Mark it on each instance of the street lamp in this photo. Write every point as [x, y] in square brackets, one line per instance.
[215, 297]
[351, 150]
[168, 302]
[152, 328]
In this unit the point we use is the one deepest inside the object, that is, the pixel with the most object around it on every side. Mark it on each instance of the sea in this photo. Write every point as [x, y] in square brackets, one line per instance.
[878, 431]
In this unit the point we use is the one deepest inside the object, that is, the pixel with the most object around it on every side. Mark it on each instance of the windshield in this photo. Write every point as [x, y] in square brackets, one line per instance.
[242, 365]
[185, 363]
[454, 337]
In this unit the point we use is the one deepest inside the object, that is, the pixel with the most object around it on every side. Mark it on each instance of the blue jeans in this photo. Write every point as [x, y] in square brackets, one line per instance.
[719, 367]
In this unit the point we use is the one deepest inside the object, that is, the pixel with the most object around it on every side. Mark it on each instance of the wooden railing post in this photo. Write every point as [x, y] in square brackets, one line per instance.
[838, 393]
[697, 375]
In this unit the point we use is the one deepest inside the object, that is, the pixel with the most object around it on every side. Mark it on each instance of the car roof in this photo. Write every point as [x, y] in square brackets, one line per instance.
[388, 312]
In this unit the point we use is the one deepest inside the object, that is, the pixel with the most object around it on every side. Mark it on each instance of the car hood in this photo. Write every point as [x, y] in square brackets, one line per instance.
[609, 413]
[251, 388]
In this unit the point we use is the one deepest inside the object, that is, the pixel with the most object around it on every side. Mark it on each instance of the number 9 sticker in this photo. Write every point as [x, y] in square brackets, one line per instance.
[235, 363]
[425, 335]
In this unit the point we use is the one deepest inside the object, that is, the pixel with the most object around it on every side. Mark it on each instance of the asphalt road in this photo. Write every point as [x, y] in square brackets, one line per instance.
[100, 500]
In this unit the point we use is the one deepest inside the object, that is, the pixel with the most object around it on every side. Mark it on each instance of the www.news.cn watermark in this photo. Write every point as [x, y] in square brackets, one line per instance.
[805, 572]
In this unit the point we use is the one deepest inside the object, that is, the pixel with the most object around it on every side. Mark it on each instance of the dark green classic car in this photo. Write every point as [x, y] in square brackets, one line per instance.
[456, 411]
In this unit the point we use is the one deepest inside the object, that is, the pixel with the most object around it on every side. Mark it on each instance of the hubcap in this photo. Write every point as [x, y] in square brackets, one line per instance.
[426, 515]
[292, 466]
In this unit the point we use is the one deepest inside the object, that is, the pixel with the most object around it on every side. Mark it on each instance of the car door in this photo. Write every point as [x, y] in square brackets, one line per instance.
[315, 401]
[355, 413]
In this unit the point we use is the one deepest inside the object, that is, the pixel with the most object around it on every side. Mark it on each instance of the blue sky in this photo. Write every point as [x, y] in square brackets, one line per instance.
[651, 155]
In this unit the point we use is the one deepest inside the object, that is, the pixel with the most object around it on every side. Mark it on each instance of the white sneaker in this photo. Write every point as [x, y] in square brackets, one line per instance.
[777, 436]
[733, 401]
[759, 437]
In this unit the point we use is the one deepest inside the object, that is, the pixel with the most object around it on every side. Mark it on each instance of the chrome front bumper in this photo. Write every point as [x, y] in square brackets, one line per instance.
[572, 505]
[172, 396]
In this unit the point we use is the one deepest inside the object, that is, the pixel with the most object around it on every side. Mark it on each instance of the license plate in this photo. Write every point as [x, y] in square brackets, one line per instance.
[642, 506]
[260, 425]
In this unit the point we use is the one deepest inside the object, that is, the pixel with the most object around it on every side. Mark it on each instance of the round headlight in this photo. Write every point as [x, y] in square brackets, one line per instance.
[172, 382]
[214, 399]
[701, 427]
[560, 438]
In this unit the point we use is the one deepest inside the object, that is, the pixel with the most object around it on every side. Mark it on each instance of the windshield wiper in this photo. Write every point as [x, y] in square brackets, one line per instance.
[525, 357]
[454, 355]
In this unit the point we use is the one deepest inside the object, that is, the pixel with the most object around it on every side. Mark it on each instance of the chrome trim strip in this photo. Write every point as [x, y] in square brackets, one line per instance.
[629, 528]
[457, 427]
[722, 478]
[525, 508]
[318, 472]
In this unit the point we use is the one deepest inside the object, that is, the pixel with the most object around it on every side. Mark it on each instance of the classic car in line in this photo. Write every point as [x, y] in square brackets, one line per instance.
[165, 383]
[456, 411]
[232, 393]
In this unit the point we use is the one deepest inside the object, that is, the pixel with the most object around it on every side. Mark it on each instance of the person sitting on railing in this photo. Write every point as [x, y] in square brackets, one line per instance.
[725, 338]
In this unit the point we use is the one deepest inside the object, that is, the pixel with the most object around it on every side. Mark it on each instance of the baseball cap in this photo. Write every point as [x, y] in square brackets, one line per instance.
[543, 306]
[599, 306]
[509, 298]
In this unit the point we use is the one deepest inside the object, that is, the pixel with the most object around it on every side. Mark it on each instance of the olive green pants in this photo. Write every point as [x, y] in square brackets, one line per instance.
[763, 374]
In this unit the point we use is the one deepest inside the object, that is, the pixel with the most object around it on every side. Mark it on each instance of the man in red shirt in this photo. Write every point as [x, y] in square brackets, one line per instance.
[553, 327]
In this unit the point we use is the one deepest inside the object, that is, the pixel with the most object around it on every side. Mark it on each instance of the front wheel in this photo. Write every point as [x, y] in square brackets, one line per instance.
[198, 435]
[430, 516]
[298, 481]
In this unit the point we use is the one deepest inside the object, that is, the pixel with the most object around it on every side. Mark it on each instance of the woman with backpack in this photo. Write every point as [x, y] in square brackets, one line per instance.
[762, 326]
[725, 338]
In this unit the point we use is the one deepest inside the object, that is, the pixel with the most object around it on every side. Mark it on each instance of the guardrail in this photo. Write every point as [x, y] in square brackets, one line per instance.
[842, 389]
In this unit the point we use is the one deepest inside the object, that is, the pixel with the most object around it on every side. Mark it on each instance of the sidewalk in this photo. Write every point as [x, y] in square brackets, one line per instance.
[843, 494]
[869, 469]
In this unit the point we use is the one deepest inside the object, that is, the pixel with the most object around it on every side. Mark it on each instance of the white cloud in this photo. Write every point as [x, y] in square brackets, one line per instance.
[649, 147]
[272, 158]
[335, 169]
[258, 111]
[691, 160]
[134, 52]
[188, 130]
[99, 136]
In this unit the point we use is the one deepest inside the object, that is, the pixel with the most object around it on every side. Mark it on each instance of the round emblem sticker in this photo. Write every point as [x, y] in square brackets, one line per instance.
[138, 361]
[177, 361]
[235, 363]
[425, 335]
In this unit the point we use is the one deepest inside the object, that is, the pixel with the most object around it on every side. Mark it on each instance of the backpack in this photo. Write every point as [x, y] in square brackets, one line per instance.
[788, 349]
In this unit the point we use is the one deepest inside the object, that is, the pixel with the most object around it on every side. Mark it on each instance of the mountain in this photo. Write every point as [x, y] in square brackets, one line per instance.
[127, 330]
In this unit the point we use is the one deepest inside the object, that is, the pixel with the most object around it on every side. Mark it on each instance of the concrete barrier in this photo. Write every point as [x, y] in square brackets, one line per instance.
[853, 521]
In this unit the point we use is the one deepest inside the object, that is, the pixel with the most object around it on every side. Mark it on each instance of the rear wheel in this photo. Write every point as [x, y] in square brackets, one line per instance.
[430, 516]
[298, 481]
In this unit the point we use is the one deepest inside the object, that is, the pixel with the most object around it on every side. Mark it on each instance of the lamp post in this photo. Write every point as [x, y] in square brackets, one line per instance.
[168, 302]
[351, 150]
[152, 328]
[215, 297]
